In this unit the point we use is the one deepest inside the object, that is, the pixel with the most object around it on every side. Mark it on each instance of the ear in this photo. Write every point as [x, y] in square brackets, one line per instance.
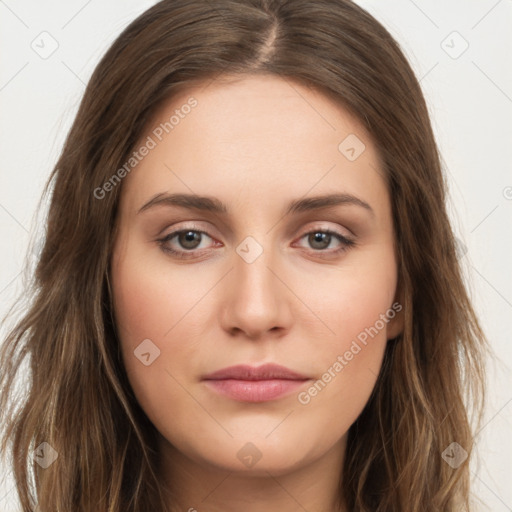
[395, 326]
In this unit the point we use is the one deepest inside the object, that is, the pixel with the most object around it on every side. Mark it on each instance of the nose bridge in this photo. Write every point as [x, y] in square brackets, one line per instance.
[253, 277]
[256, 301]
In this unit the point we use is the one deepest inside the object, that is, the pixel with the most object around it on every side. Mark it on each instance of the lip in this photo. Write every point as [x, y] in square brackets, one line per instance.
[255, 384]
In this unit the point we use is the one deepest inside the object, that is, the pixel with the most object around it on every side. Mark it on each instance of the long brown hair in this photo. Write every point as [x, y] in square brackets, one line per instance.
[77, 397]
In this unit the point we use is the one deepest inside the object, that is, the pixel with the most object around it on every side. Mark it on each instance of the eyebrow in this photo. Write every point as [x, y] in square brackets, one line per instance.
[214, 205]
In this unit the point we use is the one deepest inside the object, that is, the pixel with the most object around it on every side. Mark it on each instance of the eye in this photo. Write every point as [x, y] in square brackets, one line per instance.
[190, 239]
[320, 239]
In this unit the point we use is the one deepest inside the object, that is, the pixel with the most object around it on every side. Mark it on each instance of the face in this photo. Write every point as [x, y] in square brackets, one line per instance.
[253, 280]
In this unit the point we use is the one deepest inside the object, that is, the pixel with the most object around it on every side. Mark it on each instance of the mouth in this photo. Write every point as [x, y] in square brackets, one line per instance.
[255, 384]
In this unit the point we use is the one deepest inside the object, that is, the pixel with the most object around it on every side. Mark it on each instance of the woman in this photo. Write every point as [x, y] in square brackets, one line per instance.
[249, 296]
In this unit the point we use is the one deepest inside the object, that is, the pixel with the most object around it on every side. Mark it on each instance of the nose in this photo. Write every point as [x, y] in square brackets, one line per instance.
[257, 299]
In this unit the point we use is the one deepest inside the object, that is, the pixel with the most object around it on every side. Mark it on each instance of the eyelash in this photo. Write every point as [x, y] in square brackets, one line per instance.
[347, 243]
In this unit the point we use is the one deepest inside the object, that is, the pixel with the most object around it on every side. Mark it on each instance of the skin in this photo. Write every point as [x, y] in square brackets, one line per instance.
[255, 143]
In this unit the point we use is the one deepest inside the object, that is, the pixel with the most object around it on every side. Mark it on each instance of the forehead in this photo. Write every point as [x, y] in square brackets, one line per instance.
[262, 134]
[263, 106]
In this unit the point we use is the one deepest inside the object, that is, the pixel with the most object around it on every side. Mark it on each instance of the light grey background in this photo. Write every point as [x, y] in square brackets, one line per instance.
[469, 92]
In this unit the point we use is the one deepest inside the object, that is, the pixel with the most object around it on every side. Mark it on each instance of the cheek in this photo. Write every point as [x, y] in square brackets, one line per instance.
[151, 309]
[149, 299]
[357, 307]
[355, 297]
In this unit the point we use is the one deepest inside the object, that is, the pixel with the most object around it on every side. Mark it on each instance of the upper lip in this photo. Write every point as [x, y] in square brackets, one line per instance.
[264, 372]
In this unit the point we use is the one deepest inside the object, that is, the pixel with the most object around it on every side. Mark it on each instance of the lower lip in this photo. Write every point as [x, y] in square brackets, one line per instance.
[255, 390]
